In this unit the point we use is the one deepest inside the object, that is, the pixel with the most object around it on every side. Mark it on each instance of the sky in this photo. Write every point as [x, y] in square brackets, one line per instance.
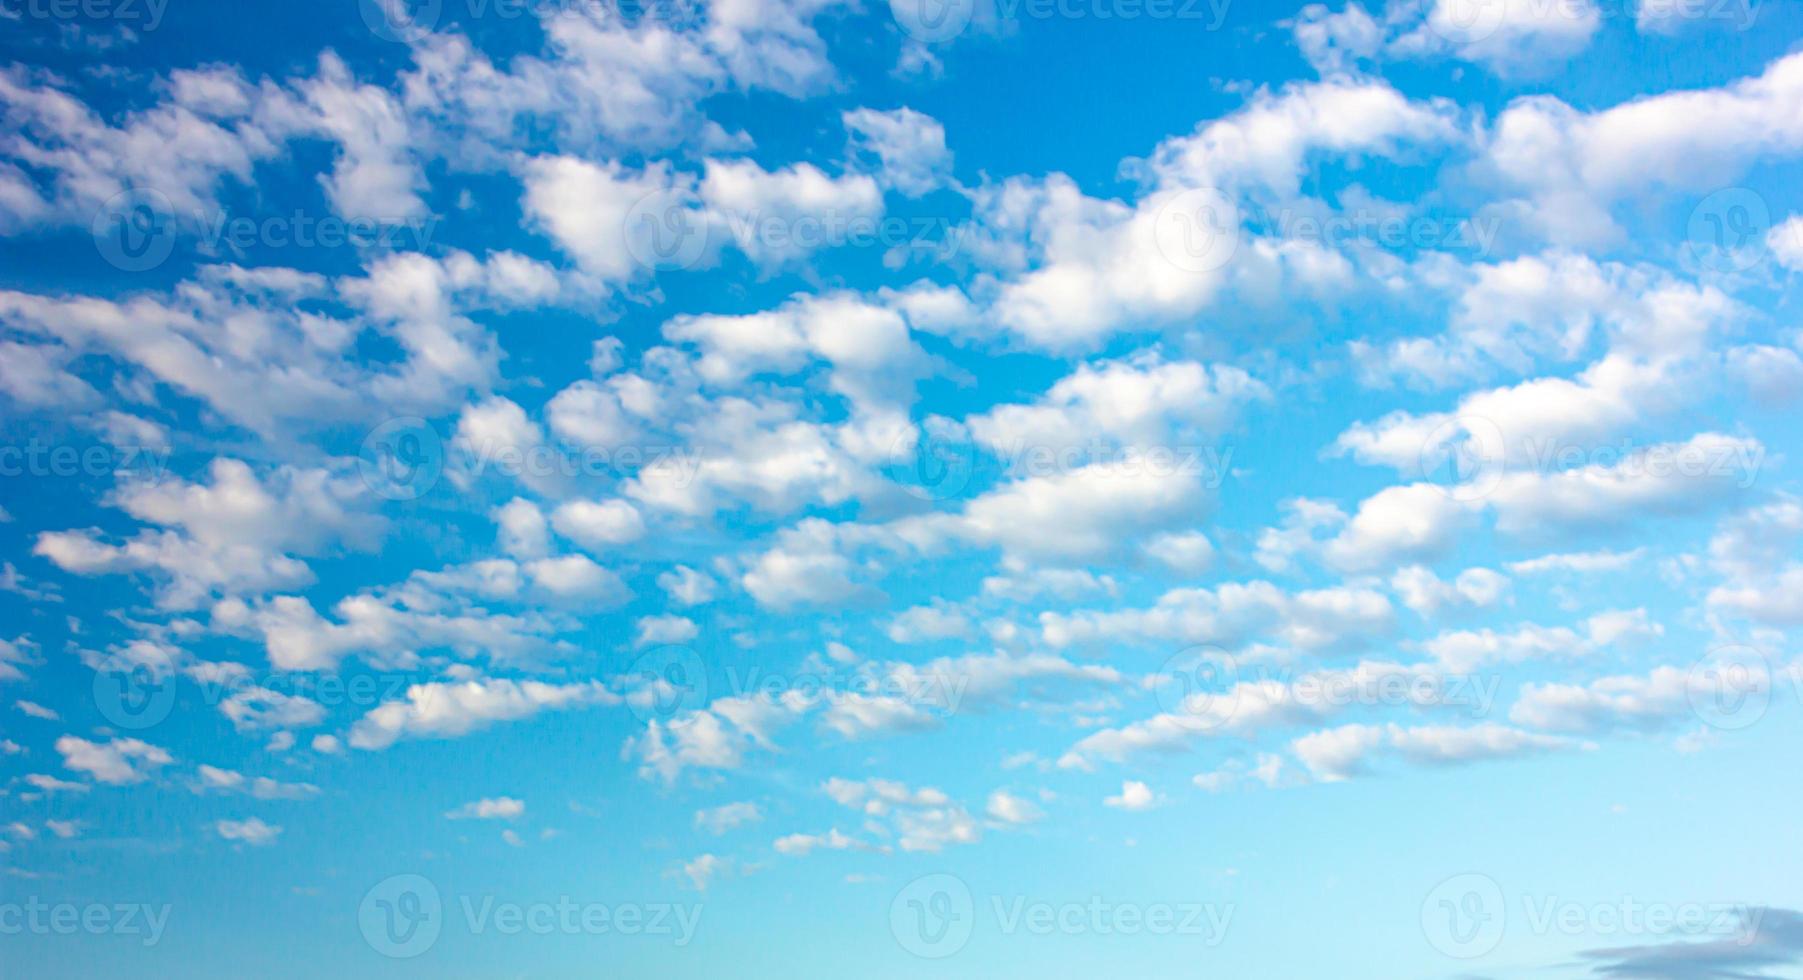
[968, 488]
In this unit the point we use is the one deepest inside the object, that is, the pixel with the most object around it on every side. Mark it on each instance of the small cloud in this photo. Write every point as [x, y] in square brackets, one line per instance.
[253, 831]
[498, 808]
[1134, 796]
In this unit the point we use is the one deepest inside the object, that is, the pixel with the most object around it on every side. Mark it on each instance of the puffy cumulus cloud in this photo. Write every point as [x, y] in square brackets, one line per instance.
[1428, 595]
[116, 762]
[1087, 513]
[715, 737]
[783, 216]
[1509, 37]
[252, 831]
[1413, 522]
[720, 819]
[1134, 795]
[1463, 651]
[1611, 487]
[1571, 165]
[652, 630]
[1513, 315]
[489, 808]
[1662, 697]
[1339, 753]
[1248, 707]
[1005, 807]
[873, 359]
[1234, 614]
[609, 81]
[261, 709]
[1267, 769]
[923, 624]
[908, 148]
[1667, 478]
[440, 709]
[14, 655]
[1752, 549]
[273, 351]
[599, 525]
[391, 626]
[922, 819]
[583, 207]
[1268, 144]
[186, 146]
[1143, 402]
[229, 536]
[213, 779]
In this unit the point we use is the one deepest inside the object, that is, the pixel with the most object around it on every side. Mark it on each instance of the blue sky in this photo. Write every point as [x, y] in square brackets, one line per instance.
[982, 488]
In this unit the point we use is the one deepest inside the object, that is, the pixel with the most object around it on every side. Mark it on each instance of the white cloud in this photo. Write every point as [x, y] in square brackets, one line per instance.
[448, 710]
[116, 763]
[495, 808]
[252, 831]
[1134, 795]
